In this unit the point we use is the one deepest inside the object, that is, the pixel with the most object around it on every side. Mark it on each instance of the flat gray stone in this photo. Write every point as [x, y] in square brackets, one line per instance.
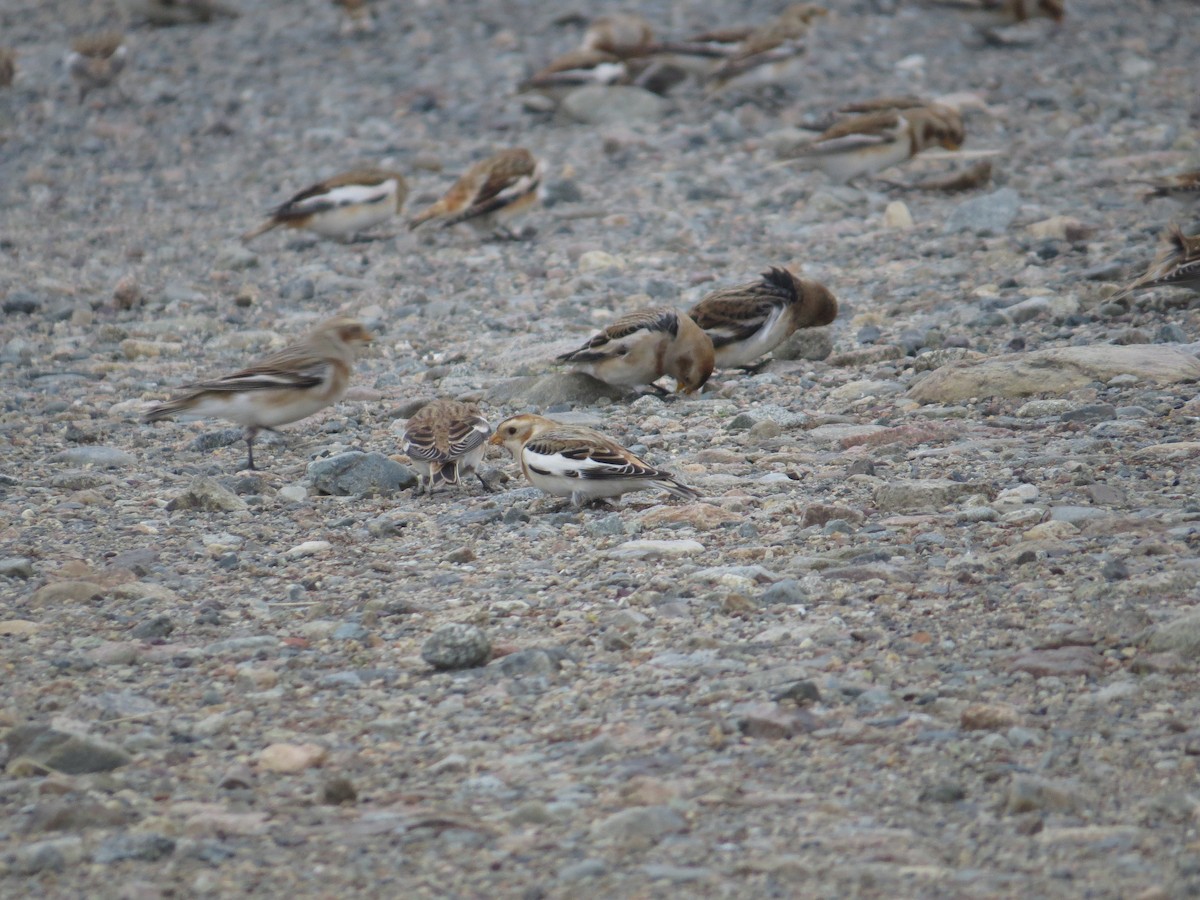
[64, 751]
[598, 104]
[641, 824]
[100, 457]
[907, 496]
[1056, 370]
[205, 493]
[990, 214]
[356, 474]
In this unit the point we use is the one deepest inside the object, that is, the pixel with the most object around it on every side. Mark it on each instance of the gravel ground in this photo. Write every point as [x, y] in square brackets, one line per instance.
[933, 632]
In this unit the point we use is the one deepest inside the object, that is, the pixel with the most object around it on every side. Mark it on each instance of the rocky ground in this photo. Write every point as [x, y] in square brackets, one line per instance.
[932, 632]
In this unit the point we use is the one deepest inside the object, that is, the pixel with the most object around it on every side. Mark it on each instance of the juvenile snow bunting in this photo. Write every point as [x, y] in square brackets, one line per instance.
[491, 191]
[639, 348]
[96, 60]
[771, 54]
[8, 66]
[341, 206]
[284, 387]
[748, 321]
[874, 141]
[177, 12]
[585, 465]
[357, 17]
[1183, 188]
[622, 34]
[1176, 265]
[445, 440]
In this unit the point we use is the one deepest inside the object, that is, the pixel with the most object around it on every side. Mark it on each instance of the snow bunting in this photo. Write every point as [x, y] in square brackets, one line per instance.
[96, 60]
[1183, 188]
[8, 66]
[622, 34]
[585, 465]
[341, 206]
[639, 348]
[998, 13]
[177, 12]
[284, 387]
[1176, 265]
[358, 19]
[869, 143]
[747, 321]
[771, 54]
[492, 190]
[445, 440]
[575, 69]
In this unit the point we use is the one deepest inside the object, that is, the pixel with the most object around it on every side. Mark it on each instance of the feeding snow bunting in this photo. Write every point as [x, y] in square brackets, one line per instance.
[771, 54]
[178, 12]
[284, 387]
[869, 143]
[639, 348]
[585, 465]
[747, 321]
[1176, 265]
[445, 440]
[492, 190]
[341, 206]
[622, 34]
[357, 19]
[96, 60]
[8, 67]
[1183, 188]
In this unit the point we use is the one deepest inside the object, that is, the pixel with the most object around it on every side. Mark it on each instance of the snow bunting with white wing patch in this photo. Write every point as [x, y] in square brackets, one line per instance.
[178, 12]
[342, 206]
[95, 61]
[641, 347]
[748, 321]
[445, 440]
[869, 143]
[491, 191]
[771, 54]
[575, 69]
[585, 465]
[1176, 265]
[284, 387]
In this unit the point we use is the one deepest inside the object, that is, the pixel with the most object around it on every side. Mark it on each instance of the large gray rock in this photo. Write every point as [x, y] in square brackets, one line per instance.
[807, 343]
[990, 214]
[204, 493]
[98, 456]
[1055, 371]
[598, 104]
[356, 473]
[908, 496]
[1180, 635]
[575, 388]
[63, 751]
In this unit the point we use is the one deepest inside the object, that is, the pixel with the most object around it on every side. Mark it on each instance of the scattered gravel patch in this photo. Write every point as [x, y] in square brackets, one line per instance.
[933, 630]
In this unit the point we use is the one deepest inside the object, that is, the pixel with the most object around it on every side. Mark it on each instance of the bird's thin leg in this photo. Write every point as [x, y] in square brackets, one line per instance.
[251, 434]
[487, 487]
